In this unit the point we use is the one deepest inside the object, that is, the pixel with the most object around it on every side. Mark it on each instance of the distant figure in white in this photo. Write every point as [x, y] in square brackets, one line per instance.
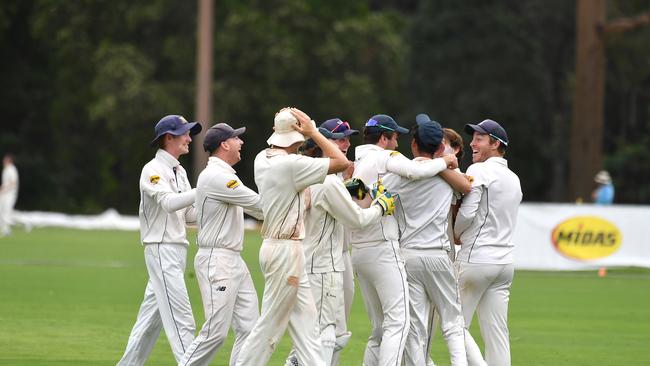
[8, 193]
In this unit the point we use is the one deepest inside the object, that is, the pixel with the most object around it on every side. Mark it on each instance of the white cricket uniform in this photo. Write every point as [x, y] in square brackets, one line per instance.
[227, 289]
[376, 259]
[287, 300]
[486, 222]
[8, 196]
[342, 318]
[166, 205]
[331, 210]
[422, 214]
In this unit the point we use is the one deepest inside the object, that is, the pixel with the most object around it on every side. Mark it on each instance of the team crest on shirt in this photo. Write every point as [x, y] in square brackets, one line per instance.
[393, 153]
[470, 178]
[154, 179]
[232, 184]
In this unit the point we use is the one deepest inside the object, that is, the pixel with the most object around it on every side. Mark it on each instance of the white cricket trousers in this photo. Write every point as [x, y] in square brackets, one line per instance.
[382, 280]
[485, 288]
[229, 299]
[287, 302]
[7, 203]
[327, 289]
[165, 305]
[342, 333]
[432, 283]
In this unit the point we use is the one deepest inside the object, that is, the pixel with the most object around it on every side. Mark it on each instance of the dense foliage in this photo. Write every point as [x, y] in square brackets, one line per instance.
[83, 83]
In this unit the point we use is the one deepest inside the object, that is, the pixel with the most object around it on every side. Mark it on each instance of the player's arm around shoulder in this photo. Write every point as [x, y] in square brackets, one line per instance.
[459, 182]
[405, 167]
[470, 203]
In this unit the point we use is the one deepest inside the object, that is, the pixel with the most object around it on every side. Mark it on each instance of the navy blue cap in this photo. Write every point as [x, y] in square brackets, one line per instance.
[382, 122]
[429, 132]
[174, 125]
[218, 134]
[337, 125]
[488, 127]
[309, 143]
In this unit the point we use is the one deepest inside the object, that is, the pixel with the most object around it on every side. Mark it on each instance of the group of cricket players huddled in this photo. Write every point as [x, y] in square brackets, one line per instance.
[392, 222]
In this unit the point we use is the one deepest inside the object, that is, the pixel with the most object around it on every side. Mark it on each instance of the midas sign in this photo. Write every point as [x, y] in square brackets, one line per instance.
[586, 237]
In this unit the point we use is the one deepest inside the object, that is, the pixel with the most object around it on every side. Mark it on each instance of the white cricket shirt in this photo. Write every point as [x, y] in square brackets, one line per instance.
[165, 194]
[221, 200]
[422, 210]
[488, 214]
[372, 163]
[281, 179]
[332, 209]
[9, 180]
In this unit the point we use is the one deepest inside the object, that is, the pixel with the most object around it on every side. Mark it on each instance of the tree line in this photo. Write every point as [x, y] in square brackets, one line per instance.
[85, 81]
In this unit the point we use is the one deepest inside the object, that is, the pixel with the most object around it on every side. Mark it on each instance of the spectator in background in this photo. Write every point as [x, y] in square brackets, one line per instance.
[8, 193]
[604, 193]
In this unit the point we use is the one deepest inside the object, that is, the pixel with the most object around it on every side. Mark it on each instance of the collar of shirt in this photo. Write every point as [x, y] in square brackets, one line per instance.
[270, 152]
[167, 158]
[213, 160]
[497, 160]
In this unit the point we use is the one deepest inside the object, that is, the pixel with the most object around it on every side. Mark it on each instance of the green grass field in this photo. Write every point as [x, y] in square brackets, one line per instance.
[70, 297]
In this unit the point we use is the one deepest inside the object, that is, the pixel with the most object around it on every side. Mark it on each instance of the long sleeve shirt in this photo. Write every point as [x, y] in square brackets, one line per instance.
[221, 200]
[332, 209]
[166, 200]
[488, 214]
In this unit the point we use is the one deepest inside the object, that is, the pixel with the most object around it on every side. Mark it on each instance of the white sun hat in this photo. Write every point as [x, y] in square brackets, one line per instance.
[284, 135]
[603, 177]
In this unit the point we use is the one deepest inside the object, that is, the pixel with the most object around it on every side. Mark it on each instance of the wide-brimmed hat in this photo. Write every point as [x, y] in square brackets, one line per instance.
[603, 177]
[174, 125]
[284, 135]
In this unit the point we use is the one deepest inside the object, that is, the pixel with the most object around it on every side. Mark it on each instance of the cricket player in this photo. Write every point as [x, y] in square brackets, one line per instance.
[485, 224]
[227, 290]
[336, 125]
[8, 193]
[375, 249]
[330, 211]
[422, 212]
[281, 177]
[166, 205]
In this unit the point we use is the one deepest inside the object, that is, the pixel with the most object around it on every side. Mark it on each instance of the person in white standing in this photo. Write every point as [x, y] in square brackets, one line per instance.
[331, 210]
[281, 177]
[8, 193]
[485, 225]
[336, 125]
[166, 205]
[375, 249]
[422, 209]
[227, 289]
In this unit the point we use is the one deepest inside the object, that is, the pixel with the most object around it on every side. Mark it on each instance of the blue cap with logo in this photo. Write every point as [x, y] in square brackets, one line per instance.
[174, 125]
[488, 127]
[336, 125]
[429, 131]
[384, 123]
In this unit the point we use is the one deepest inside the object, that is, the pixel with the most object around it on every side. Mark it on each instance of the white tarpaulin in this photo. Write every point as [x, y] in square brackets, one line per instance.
[575, 237]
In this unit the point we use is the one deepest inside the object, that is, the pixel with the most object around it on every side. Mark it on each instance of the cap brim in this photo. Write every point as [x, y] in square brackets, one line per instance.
[470, 129]
[285, 139]
[238, 132]
[336, 135]
[350, 132]
[402, 130]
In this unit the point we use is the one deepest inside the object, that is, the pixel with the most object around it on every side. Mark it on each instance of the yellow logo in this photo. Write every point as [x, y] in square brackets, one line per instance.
[393, 153]
[586, 237]
[232, 184]
[154, 179]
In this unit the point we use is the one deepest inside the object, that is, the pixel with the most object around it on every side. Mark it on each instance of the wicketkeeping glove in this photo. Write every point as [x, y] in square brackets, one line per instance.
[387, 203]
[356, 188]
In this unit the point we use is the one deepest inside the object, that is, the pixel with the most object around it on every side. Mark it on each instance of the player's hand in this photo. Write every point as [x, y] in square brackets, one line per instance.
[356, 188]
[451, 160]
[387, 202]
[306, 126]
